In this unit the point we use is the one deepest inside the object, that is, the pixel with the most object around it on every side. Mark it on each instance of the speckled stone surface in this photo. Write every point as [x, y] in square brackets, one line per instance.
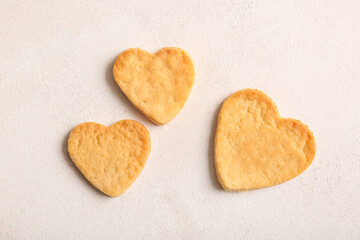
[56, 61]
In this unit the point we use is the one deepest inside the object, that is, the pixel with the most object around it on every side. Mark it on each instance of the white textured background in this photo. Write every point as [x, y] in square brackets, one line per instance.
[56, 72]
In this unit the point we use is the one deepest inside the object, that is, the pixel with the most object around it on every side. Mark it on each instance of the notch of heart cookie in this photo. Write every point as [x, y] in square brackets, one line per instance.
[255, 147]
[159, 84]
[111, 158]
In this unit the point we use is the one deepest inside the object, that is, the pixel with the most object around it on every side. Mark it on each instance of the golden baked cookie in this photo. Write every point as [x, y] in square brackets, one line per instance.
[111, 158]
[157, 84]
[255, 147]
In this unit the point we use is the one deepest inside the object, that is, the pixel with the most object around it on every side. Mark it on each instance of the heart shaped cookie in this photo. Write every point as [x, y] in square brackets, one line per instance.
[255, 147]
[157, 84]
[111, 158]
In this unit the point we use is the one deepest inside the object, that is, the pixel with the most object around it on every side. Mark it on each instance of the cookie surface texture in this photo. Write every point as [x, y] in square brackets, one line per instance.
[159, 84]
[111, 158]
[255, 147]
